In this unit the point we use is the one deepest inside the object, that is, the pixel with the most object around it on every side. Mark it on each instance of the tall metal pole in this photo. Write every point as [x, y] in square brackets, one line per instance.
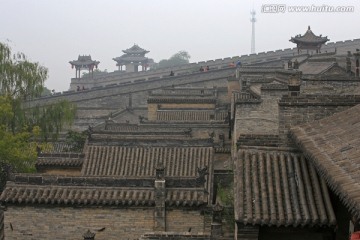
[253, 20]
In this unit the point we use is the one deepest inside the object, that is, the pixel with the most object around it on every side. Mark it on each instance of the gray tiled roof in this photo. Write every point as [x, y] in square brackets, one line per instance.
[135, 49]
[181, 99]
[84, 60]
[59, 162]
[141, 161]
[92, 195]
[279, 187]
[314, 68]
[57, 147]
[175, 235]
[333, 145]
[190, 115]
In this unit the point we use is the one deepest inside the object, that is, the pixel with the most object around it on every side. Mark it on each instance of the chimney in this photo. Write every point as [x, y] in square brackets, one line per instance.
[296, 64]
[357, 64]
[290, 64]
[294, 84]
[216, 225]
[348, 65]
[160, 195]
[130, 100]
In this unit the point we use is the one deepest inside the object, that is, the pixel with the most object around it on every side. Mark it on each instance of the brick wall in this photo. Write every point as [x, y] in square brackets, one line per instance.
[182, 221]
[259, 140]
[67, 223]
[64, 171]
[259, 118]
[330, 87]
[307, 108]
[233, 85]
[70, 223]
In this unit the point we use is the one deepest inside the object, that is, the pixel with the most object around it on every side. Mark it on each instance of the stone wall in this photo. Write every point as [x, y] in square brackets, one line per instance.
[260, 58]
[117, 96]
[95, 112]
[213, 78]
[330, 87]
[108, 223]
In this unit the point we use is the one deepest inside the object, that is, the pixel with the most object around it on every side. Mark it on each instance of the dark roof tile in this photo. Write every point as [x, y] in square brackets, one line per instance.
[127, 161]
[90, 195]
[333, 145]
[59, 163]
[279, 188]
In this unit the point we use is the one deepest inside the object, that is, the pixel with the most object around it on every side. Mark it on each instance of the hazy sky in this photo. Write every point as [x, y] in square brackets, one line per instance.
[54, 32]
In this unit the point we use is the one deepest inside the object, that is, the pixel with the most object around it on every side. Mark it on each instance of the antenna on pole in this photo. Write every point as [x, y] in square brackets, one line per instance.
[253, 20]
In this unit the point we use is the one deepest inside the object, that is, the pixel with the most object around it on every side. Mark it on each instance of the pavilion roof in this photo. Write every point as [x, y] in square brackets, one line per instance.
[130, 58]
[84, 60]
[333, 145]
[309, 37]
[135, 50]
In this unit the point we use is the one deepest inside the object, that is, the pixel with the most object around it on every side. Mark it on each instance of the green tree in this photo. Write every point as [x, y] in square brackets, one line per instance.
[46, 92]
[76, 140]
[22, 80]
[179, 58]
[96, 73]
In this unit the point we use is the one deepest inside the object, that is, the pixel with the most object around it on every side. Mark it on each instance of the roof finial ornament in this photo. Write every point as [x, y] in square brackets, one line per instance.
[309, 28]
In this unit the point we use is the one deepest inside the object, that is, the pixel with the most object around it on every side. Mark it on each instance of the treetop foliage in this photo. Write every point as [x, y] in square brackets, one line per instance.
[19, 77]
[179, 58]
[22, 128]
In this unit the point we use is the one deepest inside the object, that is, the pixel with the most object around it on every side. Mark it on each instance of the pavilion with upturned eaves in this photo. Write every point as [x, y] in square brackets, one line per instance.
[133, 58]
[84, 63]
[309, 41]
